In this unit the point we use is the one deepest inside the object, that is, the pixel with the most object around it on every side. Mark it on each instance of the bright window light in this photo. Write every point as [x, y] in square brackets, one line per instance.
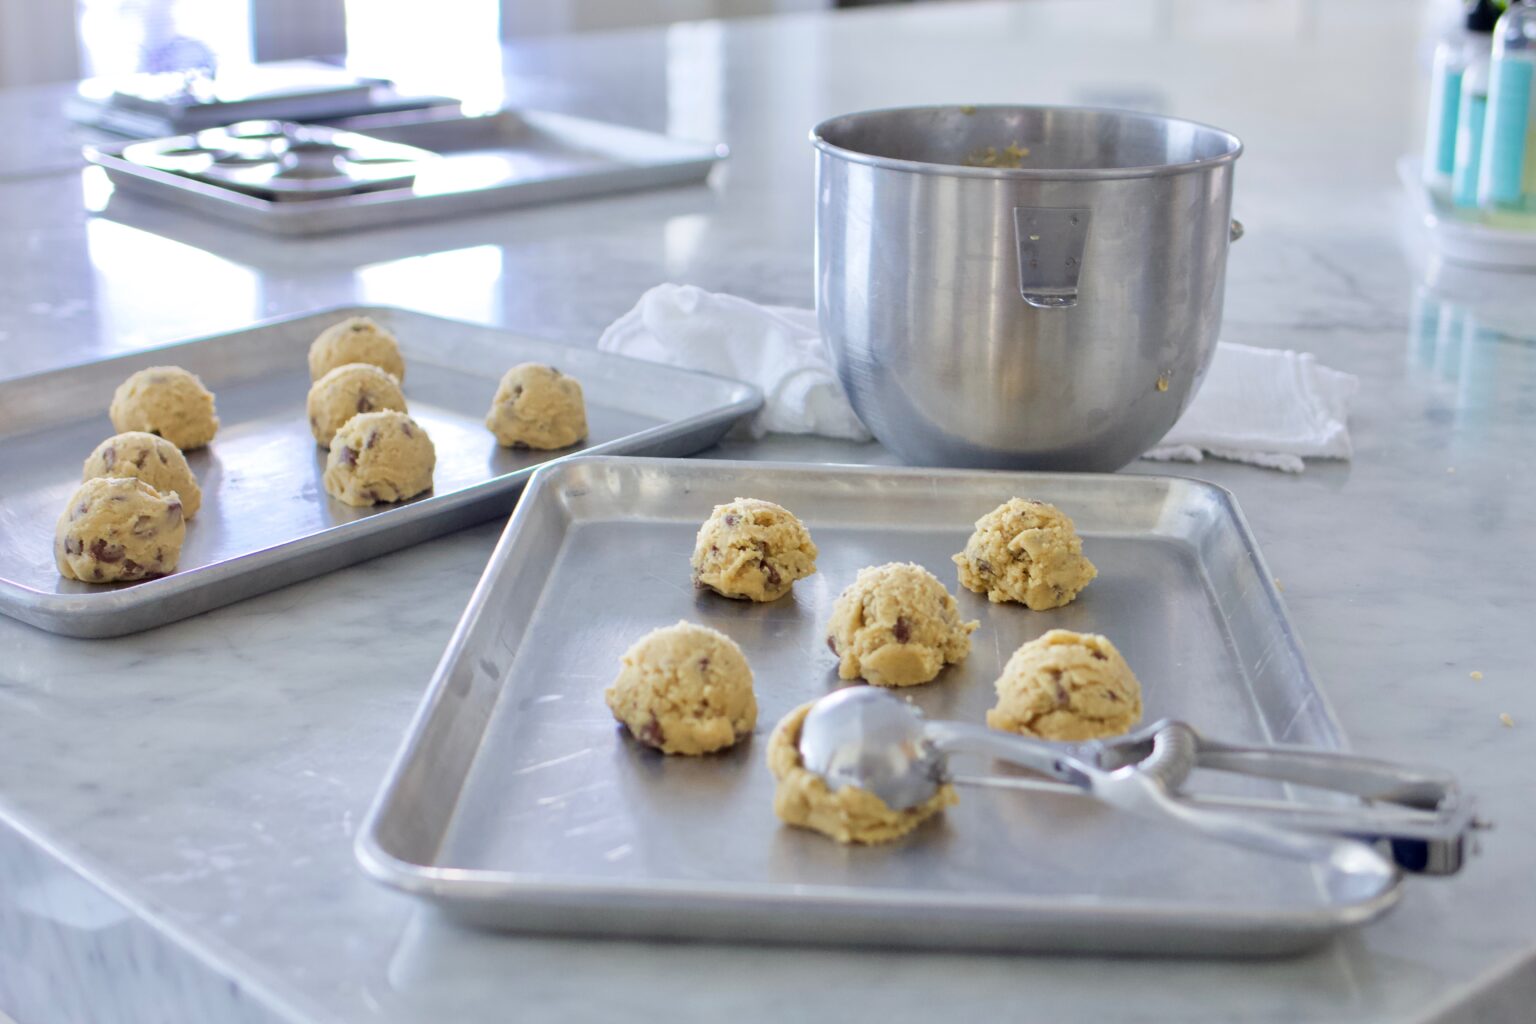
[119, 37]
[448, 47]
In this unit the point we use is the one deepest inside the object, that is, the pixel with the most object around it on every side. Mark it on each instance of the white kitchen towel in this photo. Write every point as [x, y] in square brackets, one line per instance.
[1267, 407]
[778, 348]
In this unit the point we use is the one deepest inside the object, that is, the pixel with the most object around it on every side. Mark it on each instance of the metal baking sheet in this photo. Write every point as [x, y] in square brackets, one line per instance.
[196, 98]
[518, 803]
[510, 158]
[266, 520]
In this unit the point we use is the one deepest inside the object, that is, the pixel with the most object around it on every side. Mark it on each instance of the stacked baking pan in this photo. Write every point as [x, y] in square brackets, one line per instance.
[374, 170]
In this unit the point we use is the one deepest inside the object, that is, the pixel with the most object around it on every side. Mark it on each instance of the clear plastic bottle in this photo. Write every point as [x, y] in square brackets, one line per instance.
[1506, 179]
[1454, 55]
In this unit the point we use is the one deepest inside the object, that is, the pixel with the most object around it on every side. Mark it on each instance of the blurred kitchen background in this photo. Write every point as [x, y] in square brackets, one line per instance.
[60, 40]
[452, 46]
[709, 85]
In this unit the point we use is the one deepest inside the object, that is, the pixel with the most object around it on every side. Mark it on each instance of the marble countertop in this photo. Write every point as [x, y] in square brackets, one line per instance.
[177, 808]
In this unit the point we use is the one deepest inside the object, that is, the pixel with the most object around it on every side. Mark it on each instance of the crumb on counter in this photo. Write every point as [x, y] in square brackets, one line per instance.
[1507, 719]
[1162, 382]
[1477, 675]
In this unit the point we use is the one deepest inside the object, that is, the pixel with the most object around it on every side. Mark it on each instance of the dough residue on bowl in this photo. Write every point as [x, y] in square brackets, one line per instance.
[1011, 155]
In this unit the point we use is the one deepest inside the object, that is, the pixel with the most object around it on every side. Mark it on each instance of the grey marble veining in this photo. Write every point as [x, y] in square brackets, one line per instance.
[54, 919]
[210, 775]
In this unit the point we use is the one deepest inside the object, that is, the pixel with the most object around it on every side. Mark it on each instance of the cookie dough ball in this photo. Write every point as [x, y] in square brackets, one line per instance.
[379, 456]
[346, 391]
[357, 339]
[1067, 686]
[1025, 551]
[752, 550]
[149, 458]
[119, 528]
[685, 689]
[850, 814]
[168, 401]
[537, 406]
[896, 625]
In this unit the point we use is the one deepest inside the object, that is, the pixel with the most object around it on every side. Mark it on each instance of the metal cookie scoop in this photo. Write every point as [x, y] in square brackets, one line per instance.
[874, 740]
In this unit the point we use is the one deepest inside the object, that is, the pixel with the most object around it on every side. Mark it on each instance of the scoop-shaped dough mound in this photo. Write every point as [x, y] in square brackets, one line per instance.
[167, 401]
[685, 689]
[896, 625]
[752, 550]
[357, 339]
[1025, 551]
[537, 406]
[379, 456]
[119, 528]
[149, 458]
[346, 391]
[1067, 686]
[850, 814]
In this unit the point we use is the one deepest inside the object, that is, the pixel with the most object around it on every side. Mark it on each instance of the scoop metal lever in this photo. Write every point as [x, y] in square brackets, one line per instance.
[872, 739]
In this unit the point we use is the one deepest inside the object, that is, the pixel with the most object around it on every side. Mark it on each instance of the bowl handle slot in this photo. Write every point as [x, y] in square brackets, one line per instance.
[1050, 243]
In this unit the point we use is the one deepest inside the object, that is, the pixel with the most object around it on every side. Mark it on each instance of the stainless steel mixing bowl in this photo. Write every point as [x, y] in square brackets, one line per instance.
[1054, 315]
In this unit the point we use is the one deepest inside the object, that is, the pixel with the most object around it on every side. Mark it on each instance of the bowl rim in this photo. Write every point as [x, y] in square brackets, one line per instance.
[819, 140]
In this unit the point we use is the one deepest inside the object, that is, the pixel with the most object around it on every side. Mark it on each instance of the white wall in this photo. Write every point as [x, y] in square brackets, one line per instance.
[37, 42]
[543, 17]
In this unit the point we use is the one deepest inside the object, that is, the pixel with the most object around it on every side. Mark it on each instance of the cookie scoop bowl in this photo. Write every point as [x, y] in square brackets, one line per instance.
[1056, 315]
[1413, 819]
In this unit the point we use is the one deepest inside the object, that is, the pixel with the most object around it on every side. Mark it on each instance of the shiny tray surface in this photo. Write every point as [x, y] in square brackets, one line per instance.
[518, 803]
[282, 160]
[266, 519]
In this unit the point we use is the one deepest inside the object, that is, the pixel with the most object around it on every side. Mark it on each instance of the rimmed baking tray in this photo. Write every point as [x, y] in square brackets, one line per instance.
[516, 802]
[509, 158]
[266, 520]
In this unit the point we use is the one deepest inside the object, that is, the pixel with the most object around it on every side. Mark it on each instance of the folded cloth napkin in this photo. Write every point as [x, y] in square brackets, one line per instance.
[1268, 407]
[775, 347]
[1262, 406]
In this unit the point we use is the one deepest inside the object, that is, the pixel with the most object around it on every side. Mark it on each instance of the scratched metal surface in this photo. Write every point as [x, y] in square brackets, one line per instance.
[517, 802]
[266, 519]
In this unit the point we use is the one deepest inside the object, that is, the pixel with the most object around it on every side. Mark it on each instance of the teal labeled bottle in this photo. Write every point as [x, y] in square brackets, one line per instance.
[1506, 180]
[1456, 56]
[1469, 136]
